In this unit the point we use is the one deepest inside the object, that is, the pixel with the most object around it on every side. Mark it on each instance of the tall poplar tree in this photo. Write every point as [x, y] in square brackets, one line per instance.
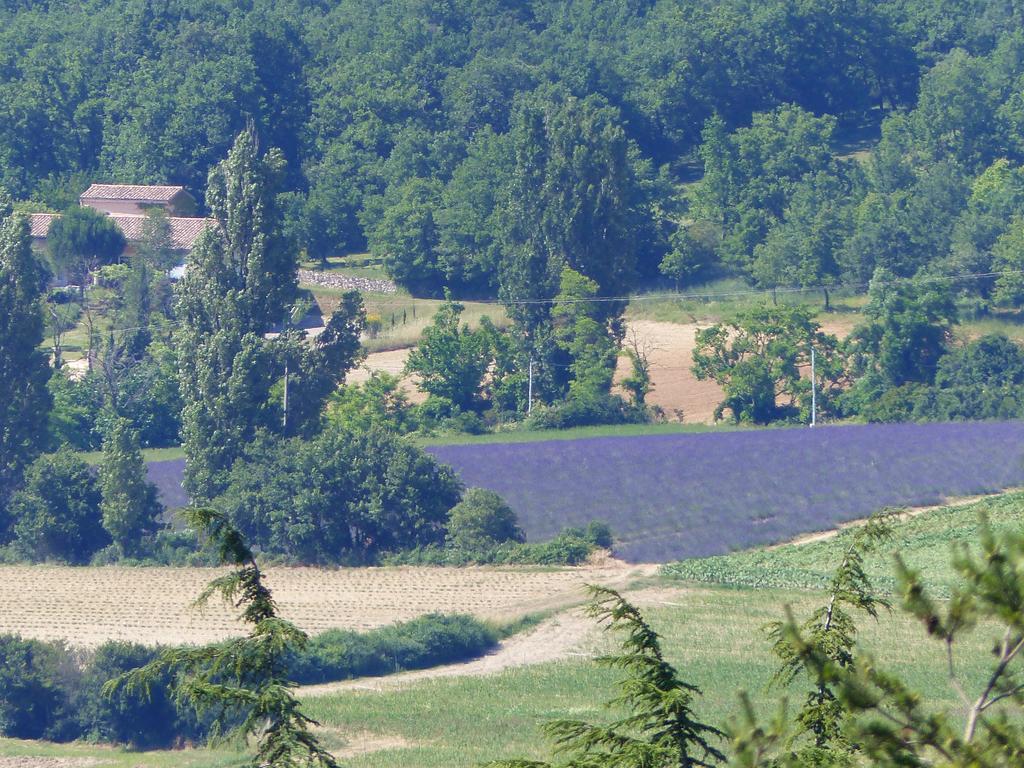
[240, 278]
[24, 370]
[574, 200]
[130, 507]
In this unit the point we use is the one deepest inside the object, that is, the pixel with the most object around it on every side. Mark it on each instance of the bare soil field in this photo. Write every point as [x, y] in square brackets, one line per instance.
[393, 362]
[87, 606]
[676, 390]
[675, 387]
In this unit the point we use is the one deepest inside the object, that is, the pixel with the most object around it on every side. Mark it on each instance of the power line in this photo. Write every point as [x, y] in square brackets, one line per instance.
[734, 294]
[704, 296]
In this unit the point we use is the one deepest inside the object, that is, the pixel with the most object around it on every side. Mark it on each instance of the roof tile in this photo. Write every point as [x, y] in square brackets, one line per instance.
[134, 192]
[184, 231]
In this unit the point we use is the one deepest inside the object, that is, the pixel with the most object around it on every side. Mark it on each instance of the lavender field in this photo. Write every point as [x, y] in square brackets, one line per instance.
[669, 497]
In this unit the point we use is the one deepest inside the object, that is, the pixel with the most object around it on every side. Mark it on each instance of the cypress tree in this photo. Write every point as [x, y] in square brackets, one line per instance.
[24, 370]
[130, 507]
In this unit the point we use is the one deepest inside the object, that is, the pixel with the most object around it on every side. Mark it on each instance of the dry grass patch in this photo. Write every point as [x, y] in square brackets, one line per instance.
[87, 606]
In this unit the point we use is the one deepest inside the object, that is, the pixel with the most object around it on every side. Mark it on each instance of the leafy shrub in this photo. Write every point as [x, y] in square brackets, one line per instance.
[378, 402]
[33, 698]
[343, 497]
[48, 691]
[586, 412]
[570, 547]
[481, 521]
[564, 549]
[423, 642]
[56, 514]
[140, 721]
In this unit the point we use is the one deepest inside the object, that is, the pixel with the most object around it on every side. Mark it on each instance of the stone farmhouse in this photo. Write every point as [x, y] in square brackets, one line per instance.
[127, 205]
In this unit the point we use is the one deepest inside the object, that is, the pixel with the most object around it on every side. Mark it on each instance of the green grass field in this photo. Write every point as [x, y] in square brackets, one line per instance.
[149, 454]
[576, 433]
[720, 299]
[714, 636]
[409, 315]
[351, 264]
[27, 753]
[925, 543]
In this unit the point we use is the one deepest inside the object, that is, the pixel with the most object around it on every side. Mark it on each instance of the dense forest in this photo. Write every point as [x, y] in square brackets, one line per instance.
[429, 132]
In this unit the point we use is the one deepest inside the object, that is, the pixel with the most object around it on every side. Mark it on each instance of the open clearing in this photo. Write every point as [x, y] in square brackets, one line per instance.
[670, 351]
[676, 389]
[86, 606]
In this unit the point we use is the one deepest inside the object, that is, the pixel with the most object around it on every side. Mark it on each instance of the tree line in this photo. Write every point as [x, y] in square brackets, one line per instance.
[438, 135]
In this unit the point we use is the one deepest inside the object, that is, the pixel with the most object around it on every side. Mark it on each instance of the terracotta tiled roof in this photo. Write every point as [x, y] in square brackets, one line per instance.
[134, 192]
[40, 223]
[184, 231]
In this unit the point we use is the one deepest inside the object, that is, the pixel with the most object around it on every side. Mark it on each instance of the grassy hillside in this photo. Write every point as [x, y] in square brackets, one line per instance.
[714, 634]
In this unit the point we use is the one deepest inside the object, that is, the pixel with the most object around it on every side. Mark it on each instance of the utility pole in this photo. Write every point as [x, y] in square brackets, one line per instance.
[529, 391]
[814, 392]
[284, 420]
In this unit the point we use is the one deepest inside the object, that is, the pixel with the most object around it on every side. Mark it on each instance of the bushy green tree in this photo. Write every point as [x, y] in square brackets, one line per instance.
[57, 511]
[481, 521]
[692, 253]
[379, 402]
[574, 201]
[240, 279]
[140, 721]
[451, 360]
[992, 361]
[752, 174]
[406, 235]
[343, 497]
[804, 248]
[582, 331]
[83, 239]
[24, 397]
[130, 507]
[757, 359]
[907, 329]
[33, 701]
[1008, 264]
[469, 235]
[316, 367]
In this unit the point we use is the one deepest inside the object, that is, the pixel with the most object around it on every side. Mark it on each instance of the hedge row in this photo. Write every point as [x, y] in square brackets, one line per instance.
[50, 691]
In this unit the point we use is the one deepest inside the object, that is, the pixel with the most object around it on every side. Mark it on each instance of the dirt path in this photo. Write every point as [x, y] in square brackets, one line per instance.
[566, 634]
